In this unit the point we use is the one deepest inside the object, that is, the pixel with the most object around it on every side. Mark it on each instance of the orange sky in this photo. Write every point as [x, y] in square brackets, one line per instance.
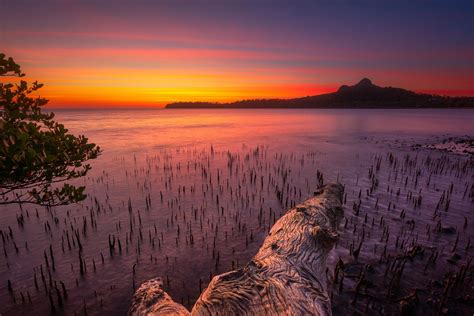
[89, 54]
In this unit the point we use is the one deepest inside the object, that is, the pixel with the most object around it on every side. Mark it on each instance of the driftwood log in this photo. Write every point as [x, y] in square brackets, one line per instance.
[286, 277]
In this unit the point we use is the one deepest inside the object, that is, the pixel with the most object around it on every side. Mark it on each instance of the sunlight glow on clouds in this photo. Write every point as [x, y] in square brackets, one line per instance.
[149, 53]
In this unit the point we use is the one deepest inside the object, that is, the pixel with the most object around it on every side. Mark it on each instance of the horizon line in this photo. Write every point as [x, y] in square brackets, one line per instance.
[163, 104]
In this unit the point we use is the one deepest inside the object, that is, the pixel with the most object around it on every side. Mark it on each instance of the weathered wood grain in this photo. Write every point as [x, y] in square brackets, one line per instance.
[150, 299]
[286, 277]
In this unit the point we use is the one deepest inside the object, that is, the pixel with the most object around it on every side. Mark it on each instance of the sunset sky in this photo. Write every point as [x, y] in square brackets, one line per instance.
[149, 53]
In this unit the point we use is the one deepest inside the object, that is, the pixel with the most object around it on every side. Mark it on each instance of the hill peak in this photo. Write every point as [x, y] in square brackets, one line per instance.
[365, 82]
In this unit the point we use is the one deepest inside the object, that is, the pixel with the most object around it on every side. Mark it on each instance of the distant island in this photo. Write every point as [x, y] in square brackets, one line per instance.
[361, 95]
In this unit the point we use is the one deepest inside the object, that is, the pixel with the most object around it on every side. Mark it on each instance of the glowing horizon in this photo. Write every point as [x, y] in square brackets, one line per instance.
[92, 55]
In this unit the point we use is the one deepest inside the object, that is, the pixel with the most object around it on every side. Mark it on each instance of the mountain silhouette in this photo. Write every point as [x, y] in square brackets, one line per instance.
[363, 94]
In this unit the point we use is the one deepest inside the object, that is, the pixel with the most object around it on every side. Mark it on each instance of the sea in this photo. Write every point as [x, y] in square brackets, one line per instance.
[190, 194]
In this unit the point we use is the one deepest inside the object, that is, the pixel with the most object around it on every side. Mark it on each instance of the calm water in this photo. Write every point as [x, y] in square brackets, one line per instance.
[167, 177]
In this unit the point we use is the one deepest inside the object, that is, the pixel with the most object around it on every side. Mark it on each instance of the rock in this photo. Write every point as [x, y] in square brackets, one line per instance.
[286, 276]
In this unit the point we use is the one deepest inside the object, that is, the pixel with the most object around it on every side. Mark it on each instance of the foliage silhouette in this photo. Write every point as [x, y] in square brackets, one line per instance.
[37, 154]
[364, 94]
